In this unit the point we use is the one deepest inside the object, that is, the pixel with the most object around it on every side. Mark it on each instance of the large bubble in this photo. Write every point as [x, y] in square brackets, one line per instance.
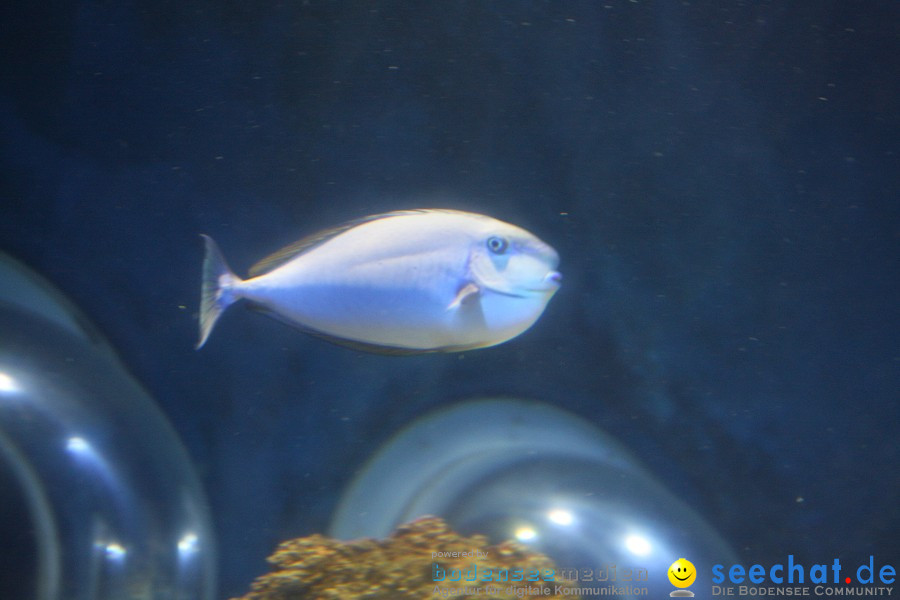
[100, 498]
[512, 469]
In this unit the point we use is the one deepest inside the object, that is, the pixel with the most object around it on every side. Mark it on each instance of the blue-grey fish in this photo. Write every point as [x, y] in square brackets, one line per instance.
[404, 282]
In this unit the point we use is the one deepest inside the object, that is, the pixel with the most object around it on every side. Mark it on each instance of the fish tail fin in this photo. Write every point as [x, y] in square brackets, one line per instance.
[216, 289]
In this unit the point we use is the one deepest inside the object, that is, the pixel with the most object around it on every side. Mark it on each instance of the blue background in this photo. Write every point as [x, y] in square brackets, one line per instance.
[719, 178]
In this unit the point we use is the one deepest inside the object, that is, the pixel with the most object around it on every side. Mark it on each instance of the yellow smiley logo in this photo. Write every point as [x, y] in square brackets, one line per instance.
[682, 573]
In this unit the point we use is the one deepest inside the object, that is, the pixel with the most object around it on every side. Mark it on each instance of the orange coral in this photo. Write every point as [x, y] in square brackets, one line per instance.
[404, 567]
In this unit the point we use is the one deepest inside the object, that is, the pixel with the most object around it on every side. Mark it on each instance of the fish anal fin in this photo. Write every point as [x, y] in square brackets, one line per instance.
[372, 348]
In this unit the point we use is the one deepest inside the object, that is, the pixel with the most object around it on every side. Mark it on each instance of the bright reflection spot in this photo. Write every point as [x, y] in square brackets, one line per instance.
[115, 551]
[525, 534]
[8, 385]
[78, 445]
[560, 517]
[188, 544]
[638, 545]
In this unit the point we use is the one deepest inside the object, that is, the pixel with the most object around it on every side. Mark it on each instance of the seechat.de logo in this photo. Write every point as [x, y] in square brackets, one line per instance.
[792, 578]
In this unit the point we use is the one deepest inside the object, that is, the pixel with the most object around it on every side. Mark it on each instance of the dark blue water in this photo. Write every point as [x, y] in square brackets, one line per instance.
[720, 180]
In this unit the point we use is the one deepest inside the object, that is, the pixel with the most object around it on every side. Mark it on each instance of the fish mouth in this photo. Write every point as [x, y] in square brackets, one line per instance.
[551, 283]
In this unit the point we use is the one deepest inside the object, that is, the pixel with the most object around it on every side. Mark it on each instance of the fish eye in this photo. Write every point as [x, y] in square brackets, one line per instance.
[497, 244]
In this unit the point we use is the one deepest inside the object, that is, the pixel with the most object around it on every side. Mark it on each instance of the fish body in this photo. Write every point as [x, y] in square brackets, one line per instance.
[407, 281]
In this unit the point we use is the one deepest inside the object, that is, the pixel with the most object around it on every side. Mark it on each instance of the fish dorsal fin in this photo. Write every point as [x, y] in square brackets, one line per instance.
[291, 251]
[288, 253]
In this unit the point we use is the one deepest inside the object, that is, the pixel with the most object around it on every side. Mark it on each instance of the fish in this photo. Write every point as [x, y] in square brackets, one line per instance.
[402, 282]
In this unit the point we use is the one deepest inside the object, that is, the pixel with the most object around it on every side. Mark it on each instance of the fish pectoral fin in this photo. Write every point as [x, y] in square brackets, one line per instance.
[467, 291]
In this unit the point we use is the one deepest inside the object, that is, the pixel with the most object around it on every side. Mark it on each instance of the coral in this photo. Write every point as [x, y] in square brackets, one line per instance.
[405, 566]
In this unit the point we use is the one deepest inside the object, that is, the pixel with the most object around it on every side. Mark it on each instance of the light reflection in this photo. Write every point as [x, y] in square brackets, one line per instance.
[8, 385]
[187, 545]
[89, 456]
[525, 534]
[638, 545]
[561, 517]
[115, 552]
[78, 445]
